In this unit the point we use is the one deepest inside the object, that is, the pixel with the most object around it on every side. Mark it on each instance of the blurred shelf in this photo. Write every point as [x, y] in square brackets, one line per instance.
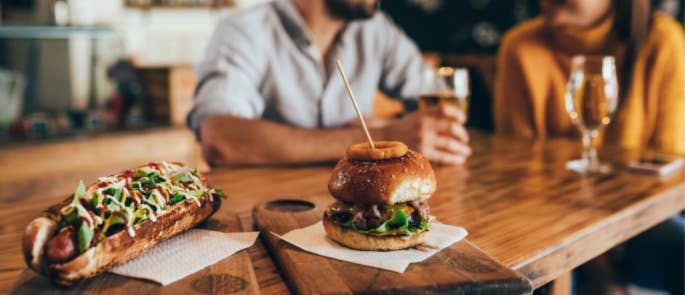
[55, 167]
[180, 4]
[161, 6]
[79, 135]
[54, 32]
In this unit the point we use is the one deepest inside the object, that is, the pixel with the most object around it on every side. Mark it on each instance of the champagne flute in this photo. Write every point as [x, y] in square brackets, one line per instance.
[591, 99]
[450, 87]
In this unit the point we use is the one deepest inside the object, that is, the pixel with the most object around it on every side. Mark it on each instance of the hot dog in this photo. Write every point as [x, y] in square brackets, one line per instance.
[116, 219]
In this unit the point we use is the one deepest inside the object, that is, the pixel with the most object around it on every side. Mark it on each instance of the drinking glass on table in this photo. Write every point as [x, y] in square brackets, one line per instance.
[451, 87]
[591, 99]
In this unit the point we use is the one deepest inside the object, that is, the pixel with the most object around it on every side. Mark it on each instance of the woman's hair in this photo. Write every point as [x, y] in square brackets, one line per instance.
[632, 24]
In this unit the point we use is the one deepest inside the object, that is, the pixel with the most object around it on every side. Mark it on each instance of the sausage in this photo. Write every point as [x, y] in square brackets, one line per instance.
[62, 247]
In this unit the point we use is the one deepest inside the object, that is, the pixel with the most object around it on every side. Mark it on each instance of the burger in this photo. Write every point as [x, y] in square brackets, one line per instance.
[380, 197]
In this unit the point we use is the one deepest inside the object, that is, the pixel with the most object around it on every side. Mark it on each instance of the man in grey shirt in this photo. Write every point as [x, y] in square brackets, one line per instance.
[269, 92]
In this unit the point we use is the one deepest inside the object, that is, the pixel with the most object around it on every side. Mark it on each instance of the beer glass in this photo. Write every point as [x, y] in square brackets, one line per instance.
[591, 99]
[451, 87]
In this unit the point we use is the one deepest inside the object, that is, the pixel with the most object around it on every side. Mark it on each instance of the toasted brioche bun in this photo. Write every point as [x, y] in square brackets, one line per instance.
[389, 181]
[352, 239]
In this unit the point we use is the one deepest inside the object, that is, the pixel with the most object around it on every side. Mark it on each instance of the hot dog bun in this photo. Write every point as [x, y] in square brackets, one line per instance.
[112, 250]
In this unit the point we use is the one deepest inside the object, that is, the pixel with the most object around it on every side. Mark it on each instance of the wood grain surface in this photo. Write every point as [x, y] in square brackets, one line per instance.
[516, 199]
[233, 275]
[459, 269]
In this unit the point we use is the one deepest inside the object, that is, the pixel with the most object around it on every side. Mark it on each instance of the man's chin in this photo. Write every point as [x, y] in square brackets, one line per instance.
[350, 12]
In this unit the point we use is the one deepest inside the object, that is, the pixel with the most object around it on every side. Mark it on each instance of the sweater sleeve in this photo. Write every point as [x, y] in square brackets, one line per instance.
[669, 132]
[512, 108]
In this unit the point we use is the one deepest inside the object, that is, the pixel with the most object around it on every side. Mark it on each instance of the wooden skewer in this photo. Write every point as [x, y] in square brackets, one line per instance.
[354, 103]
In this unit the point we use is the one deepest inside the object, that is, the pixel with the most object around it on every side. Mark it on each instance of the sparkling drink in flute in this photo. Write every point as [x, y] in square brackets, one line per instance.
[591, 99]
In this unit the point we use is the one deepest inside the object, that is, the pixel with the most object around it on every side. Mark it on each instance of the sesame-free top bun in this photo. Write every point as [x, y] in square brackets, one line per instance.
[352, 239]
[387, 181]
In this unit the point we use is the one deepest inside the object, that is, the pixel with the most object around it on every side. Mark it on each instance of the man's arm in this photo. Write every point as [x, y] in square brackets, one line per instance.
[229, 140]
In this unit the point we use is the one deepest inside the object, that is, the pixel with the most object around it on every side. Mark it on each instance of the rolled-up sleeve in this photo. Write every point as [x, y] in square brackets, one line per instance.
[405, 74]
[229, 77]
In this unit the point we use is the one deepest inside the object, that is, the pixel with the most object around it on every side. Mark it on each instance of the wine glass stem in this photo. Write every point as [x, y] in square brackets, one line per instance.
[590, 149]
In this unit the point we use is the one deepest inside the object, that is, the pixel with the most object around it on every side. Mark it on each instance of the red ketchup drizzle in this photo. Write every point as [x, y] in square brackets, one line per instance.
[85, 220]
[154, 166]
[132, 193]
[164, 194]
[83, 202]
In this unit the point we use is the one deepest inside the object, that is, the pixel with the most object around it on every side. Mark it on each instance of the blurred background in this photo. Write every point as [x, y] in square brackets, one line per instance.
[112, 80]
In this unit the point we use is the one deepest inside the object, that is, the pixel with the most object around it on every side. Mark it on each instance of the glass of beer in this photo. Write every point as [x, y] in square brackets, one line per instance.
[451, 87]
[591, 99]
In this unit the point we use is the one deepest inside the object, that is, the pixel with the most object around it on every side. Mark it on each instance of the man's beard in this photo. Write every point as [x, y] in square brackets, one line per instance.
[348, 11]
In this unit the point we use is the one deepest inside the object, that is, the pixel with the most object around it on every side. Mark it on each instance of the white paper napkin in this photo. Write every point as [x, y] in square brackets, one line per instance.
[185, 254]
[313, 239]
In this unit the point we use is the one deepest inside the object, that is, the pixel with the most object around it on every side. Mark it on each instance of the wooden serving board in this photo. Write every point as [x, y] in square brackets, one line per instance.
[462, 268]
[233, 275]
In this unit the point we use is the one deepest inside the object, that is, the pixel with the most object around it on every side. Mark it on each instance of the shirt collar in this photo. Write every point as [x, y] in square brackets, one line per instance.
[292, 21]
[295, 26]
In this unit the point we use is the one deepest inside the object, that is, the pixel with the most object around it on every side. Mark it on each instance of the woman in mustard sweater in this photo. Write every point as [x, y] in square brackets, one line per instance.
[534, 63]
[533, 67]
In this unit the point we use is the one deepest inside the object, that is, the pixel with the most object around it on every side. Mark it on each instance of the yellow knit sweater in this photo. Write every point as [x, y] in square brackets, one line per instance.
[533, 67]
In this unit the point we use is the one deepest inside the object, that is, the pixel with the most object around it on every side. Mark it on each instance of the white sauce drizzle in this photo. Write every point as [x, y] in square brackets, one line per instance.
[157, 198]
[98, 220]
[119, 184]
[108, 179]
[151, 213]
[189, 196]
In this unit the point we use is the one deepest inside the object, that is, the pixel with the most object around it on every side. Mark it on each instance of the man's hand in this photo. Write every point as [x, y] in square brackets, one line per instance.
[437, 132]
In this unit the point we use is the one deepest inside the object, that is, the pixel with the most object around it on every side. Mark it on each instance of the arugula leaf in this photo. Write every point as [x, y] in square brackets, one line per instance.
[85, 236]
[182, 177]
[113, 191]
[398, 223]
[155, 177]
[140, 215]
[112, 206]
[176, 198]
[116, 219]
[219, 193]
[69, 216]
[95, 201]
[197, 193]
[142, 172]
[80, 193]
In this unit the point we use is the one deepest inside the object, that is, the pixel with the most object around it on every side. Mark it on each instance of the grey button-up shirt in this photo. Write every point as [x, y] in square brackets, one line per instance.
[262, 64]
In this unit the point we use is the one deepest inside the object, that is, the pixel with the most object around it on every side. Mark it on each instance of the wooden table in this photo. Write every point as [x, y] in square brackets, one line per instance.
[516, 199]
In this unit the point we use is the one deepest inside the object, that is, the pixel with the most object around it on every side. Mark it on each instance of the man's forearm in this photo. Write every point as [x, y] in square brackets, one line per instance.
[229, 140]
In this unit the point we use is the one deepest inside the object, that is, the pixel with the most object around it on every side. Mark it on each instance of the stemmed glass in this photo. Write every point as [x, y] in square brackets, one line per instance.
[591, 99]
